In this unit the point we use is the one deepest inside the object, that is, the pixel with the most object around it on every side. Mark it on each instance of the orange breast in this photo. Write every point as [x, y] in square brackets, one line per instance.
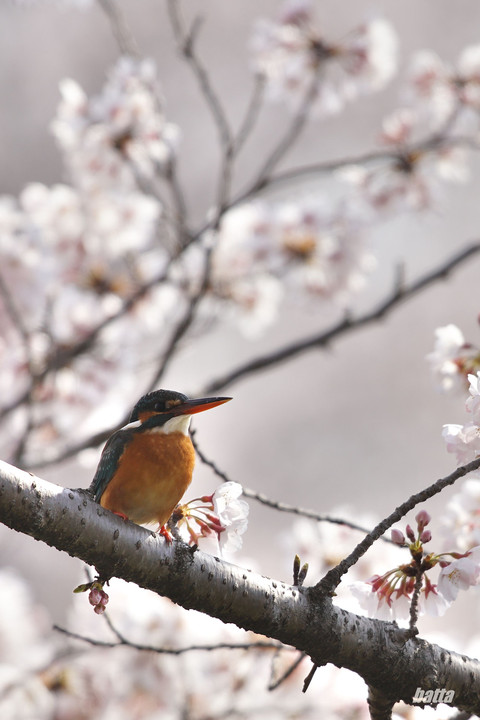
[152, 475]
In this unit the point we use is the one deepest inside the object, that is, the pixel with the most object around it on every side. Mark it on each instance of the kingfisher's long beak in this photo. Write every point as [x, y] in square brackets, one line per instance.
[190, 407]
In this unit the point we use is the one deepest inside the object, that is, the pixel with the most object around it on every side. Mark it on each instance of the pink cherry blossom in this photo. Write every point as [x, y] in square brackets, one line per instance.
[473, 401]
[459, 574]
[463, 440]
[450, 355]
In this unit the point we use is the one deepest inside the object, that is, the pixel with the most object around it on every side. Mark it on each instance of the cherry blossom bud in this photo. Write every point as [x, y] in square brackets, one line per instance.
[410, 533]
[207, 498]
[95, 596]
[398, 537]
[422, 518]
[426, 536]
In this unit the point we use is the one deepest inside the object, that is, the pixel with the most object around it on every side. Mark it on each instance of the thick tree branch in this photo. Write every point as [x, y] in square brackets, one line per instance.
[378, 651]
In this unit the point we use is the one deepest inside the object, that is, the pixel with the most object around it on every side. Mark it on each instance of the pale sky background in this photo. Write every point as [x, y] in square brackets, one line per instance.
[358, 425]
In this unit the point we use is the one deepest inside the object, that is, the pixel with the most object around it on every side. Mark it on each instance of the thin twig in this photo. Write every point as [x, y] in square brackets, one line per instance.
[371, 157]
[185, 323]
[333, 577]
[251, 115]
[121, 31]
[18, 324]
[275, 504]
[186, 42]
[429, 144]
[179, 202]
[274, 684]
[309, 678]
[289, 138]
[121, 642]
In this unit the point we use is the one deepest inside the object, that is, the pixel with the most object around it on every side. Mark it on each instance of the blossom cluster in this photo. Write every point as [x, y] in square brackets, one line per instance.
[298, 62]
[417, 164]
[425, 139]
[74, 255]
[295, 59]
[442, 89]
[453, 359]
[305, 249]
[214, 522]
[390, 595]
[461, 520]
[412, 180]
[125, 122]
[464, 440]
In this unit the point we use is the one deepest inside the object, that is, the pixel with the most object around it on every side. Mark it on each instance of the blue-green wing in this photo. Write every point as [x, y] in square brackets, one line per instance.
[109, 459]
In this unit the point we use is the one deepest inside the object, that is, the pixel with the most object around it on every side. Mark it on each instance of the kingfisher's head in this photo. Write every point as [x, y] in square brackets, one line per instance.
[160, 407]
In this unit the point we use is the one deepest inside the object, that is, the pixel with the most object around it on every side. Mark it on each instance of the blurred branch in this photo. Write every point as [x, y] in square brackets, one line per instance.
[394, 156]
[399, 295]
[179, 202]
[290, 136]
[186, 41]
[251, 115]
[186, 322]
[274, 684]
[18, 324]
[120, 28]
[300, 617]
[260, 644]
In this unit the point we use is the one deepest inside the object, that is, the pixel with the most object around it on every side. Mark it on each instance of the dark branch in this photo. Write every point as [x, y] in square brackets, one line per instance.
[348, 324]
[121, 31]
[275, 504]
[260, 644]
[334, 576]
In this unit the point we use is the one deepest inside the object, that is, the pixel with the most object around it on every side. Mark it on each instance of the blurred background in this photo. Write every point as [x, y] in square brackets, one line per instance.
[357, 425]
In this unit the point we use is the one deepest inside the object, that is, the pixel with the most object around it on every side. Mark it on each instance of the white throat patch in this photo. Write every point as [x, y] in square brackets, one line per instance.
[180, 423]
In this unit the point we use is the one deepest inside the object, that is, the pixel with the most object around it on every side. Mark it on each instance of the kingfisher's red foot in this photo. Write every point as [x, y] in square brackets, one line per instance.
[121, 515]
[162, 530]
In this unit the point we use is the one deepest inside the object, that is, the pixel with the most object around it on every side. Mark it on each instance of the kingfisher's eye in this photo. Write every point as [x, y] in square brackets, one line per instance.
[159, 407]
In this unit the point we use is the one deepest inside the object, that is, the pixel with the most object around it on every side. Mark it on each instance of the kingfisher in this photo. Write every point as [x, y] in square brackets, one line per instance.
[146, 466]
